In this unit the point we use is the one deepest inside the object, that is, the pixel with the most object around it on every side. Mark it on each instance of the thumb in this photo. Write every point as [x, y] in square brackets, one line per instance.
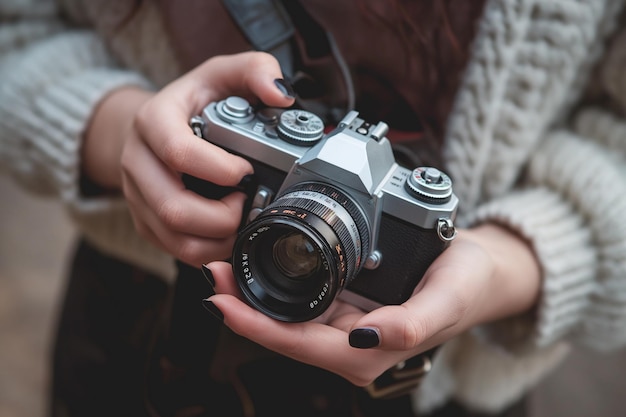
[424, 321]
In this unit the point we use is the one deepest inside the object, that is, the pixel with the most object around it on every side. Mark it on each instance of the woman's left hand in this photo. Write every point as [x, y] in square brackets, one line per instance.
[487, 273]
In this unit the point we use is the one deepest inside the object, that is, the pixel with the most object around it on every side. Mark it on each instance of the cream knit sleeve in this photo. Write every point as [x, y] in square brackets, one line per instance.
[52, 79]
[571, 211]
[516, 159]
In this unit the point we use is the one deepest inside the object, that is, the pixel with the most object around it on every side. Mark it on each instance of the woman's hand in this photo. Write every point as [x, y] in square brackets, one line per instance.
[488, 273]
[140, 142]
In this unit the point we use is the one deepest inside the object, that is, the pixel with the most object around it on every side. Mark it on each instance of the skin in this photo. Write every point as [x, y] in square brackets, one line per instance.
[139, 142]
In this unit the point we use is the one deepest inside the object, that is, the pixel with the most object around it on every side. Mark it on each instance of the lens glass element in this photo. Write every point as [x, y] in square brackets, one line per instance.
[296, 256]
[292, 260]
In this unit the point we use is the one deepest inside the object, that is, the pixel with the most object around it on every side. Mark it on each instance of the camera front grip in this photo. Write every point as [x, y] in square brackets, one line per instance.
[402, 378]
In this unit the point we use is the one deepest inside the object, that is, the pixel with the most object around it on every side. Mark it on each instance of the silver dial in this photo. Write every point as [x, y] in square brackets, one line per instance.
[430, 184]
[235, 110]
[300, 127]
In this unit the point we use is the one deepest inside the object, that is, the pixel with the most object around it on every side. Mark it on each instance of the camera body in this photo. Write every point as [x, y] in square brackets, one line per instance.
[331, 214]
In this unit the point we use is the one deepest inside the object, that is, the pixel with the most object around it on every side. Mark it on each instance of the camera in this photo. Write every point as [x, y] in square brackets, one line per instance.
[331, 213]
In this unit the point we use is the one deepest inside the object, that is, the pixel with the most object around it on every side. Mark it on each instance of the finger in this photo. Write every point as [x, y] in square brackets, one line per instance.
[175, 208]
[436, 312]
[164, 120]
[340, 314]
[248, 74]
[316, 343]
[224, 281]
[169, 137]
[188, 214]
[309, 342]
[189, 248]
[192, 250]
[451, 297]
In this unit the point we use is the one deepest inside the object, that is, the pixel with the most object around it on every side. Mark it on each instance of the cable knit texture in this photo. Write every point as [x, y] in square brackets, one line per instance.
[52, 80]
[525, 146]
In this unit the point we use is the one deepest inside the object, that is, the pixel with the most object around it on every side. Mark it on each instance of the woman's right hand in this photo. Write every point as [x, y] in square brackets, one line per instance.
[140, 142]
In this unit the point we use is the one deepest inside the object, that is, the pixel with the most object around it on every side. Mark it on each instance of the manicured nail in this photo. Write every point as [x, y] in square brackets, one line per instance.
[364, 337]
[212, 308]
[285, 87]
[248, 183]
[208, 275]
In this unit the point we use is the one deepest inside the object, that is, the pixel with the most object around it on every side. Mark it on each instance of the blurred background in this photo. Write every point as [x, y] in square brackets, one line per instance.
[35, 240]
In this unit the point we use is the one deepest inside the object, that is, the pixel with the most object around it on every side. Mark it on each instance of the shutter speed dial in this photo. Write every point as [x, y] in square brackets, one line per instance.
[430, 185]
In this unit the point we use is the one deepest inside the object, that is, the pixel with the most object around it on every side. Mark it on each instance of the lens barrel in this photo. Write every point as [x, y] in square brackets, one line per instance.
[300, 251]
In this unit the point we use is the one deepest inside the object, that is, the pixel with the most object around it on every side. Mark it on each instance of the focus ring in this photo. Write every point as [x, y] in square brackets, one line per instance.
[307, 197]
[338, 226]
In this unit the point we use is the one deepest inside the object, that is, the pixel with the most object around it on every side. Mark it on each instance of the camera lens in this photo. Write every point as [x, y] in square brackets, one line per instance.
[295, 256]
[300, 251]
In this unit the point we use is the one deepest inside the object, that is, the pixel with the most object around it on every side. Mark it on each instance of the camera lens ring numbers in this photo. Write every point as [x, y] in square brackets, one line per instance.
[300, 127]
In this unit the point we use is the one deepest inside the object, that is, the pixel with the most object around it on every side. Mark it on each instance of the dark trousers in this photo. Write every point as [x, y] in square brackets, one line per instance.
[119, 351]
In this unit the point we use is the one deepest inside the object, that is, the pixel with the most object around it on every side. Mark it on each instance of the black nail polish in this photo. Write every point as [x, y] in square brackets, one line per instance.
[212, 308]
[248, 183]
[364, 338]
[208, 275]
[285, 87]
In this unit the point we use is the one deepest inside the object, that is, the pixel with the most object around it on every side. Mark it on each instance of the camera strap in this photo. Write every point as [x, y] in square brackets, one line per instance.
[403, 378]
[267, 26]
[308, 54]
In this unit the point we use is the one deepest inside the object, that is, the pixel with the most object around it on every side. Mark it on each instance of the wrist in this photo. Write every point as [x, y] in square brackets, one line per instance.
[110, 126]
[516, 279]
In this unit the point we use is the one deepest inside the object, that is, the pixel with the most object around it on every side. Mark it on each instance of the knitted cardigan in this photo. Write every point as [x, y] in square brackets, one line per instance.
[524, 144]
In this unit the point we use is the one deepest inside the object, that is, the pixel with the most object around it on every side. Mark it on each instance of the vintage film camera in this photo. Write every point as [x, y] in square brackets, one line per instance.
[332, 215]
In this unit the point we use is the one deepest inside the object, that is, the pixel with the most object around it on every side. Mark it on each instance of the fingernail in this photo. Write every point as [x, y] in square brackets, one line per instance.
[285, 87]
[364, 337]
[212, 308]
[248, 183]
[208, 275]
